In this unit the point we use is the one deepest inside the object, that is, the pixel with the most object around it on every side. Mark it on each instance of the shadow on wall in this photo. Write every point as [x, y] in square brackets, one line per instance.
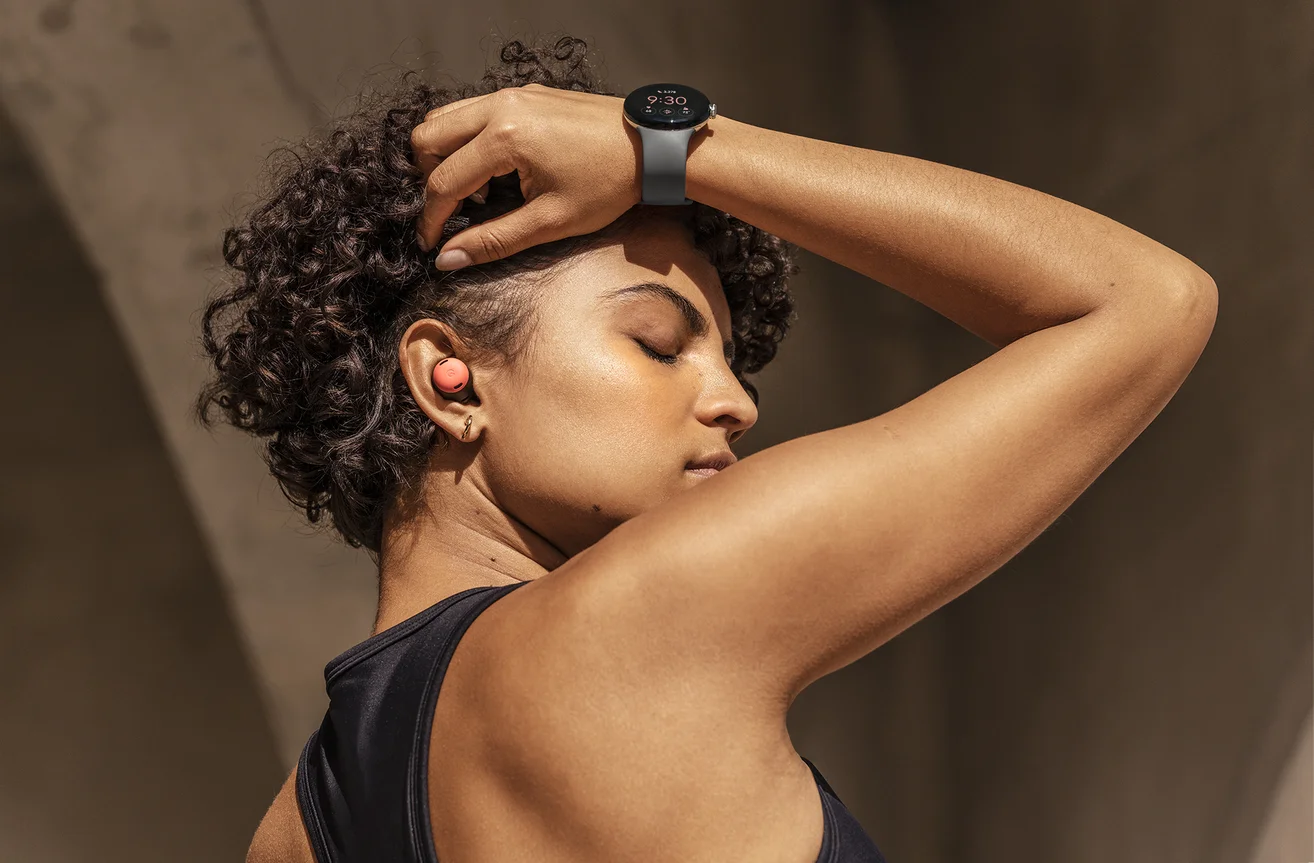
[125, 688]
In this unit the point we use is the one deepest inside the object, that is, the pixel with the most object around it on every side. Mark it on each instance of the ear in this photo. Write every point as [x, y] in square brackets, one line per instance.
[422, 346]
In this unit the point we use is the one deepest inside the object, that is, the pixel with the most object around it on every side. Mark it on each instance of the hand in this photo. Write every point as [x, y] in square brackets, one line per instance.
[577, 159]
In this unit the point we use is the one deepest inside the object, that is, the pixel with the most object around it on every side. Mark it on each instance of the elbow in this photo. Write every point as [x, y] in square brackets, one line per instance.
[1187, 281]
[1201, 297]
[1186, 296]
[1193, 311]
[1174, 308]
[1194, 277]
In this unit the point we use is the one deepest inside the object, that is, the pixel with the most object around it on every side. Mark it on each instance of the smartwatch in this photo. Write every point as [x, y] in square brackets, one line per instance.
[666, 115]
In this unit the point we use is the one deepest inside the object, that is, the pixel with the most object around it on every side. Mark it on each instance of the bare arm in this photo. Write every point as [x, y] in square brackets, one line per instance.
[802, 558]
[999, 259]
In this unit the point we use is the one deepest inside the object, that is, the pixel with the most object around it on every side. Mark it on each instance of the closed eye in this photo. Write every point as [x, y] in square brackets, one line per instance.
[661, 358]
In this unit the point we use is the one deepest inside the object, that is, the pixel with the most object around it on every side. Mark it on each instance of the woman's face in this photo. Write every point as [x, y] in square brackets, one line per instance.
[589, 429]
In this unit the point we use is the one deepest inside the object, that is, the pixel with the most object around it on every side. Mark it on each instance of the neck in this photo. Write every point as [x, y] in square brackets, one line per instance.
[454, 539]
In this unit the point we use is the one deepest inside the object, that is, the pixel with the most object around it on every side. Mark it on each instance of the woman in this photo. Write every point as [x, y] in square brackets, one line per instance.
[585, 649]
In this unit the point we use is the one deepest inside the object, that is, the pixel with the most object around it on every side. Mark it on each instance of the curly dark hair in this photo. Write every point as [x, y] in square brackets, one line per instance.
[329, 275]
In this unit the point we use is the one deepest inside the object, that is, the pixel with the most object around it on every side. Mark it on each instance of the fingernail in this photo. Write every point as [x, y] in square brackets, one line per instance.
[453, 259]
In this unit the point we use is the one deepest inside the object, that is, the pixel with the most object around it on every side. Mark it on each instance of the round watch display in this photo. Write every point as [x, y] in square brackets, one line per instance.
[668, 106]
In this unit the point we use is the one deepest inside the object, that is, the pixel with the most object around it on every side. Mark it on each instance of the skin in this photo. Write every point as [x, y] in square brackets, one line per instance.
[578, 436]
[648, 688]
[511, 503]
[586, 432]
[537, 715]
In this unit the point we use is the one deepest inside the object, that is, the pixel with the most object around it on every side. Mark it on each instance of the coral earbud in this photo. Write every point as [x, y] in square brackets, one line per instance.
[452, 378]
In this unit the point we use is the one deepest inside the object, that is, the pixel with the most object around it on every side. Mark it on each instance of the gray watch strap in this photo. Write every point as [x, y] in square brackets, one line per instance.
[665, 152]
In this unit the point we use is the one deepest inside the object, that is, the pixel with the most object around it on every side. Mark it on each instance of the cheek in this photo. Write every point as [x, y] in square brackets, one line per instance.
[594, 428]
[610, 385]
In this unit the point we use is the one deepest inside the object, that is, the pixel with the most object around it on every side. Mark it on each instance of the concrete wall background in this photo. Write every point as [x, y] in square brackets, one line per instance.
[1144, 669]
[131, 721]
[1133, 685]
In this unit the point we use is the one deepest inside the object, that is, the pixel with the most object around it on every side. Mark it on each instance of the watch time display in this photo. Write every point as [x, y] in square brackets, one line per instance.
[667, 106]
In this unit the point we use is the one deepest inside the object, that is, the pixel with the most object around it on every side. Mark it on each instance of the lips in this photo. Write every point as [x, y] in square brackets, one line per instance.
[715, 461]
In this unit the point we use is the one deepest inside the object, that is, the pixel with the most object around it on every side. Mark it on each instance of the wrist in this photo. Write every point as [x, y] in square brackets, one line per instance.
[711, 154]
[636, 151]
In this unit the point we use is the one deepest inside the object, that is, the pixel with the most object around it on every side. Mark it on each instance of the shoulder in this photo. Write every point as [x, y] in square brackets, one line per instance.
[556, 712]
[599, 619]
[575, 651]
[281, 836]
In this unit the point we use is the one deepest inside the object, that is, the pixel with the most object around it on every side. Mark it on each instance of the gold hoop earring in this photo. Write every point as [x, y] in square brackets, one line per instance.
[467, 427]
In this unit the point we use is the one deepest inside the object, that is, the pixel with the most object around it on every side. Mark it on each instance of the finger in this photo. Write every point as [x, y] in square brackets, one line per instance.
[538, 221]
[446, 130]
[457, 103]
[459, 175]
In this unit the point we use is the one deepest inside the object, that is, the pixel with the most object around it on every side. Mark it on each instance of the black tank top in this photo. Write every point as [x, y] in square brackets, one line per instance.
[362, 784]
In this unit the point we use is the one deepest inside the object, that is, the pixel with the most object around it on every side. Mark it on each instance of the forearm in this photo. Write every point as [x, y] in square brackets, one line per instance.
[999, 259]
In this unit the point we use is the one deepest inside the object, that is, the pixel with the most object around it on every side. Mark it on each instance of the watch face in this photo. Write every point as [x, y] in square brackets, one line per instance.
[667, 106]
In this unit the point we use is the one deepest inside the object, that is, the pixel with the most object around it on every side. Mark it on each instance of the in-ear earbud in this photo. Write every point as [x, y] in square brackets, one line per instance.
[451, 378]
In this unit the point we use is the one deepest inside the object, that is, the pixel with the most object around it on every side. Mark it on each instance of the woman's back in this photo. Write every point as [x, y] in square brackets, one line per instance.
[495, 789]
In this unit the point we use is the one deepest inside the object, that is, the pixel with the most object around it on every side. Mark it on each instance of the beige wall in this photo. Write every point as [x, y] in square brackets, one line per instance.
[1289, 822]
[1131, 687]
[131, 724]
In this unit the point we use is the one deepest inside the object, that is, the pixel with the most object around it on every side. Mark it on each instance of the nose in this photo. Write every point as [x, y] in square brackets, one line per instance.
[730, 405]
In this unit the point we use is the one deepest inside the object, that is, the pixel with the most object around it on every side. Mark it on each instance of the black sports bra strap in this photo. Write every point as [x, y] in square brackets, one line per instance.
[821, 780]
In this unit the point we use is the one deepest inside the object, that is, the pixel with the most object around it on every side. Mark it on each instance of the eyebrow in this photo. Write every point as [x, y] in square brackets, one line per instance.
[693, 318]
